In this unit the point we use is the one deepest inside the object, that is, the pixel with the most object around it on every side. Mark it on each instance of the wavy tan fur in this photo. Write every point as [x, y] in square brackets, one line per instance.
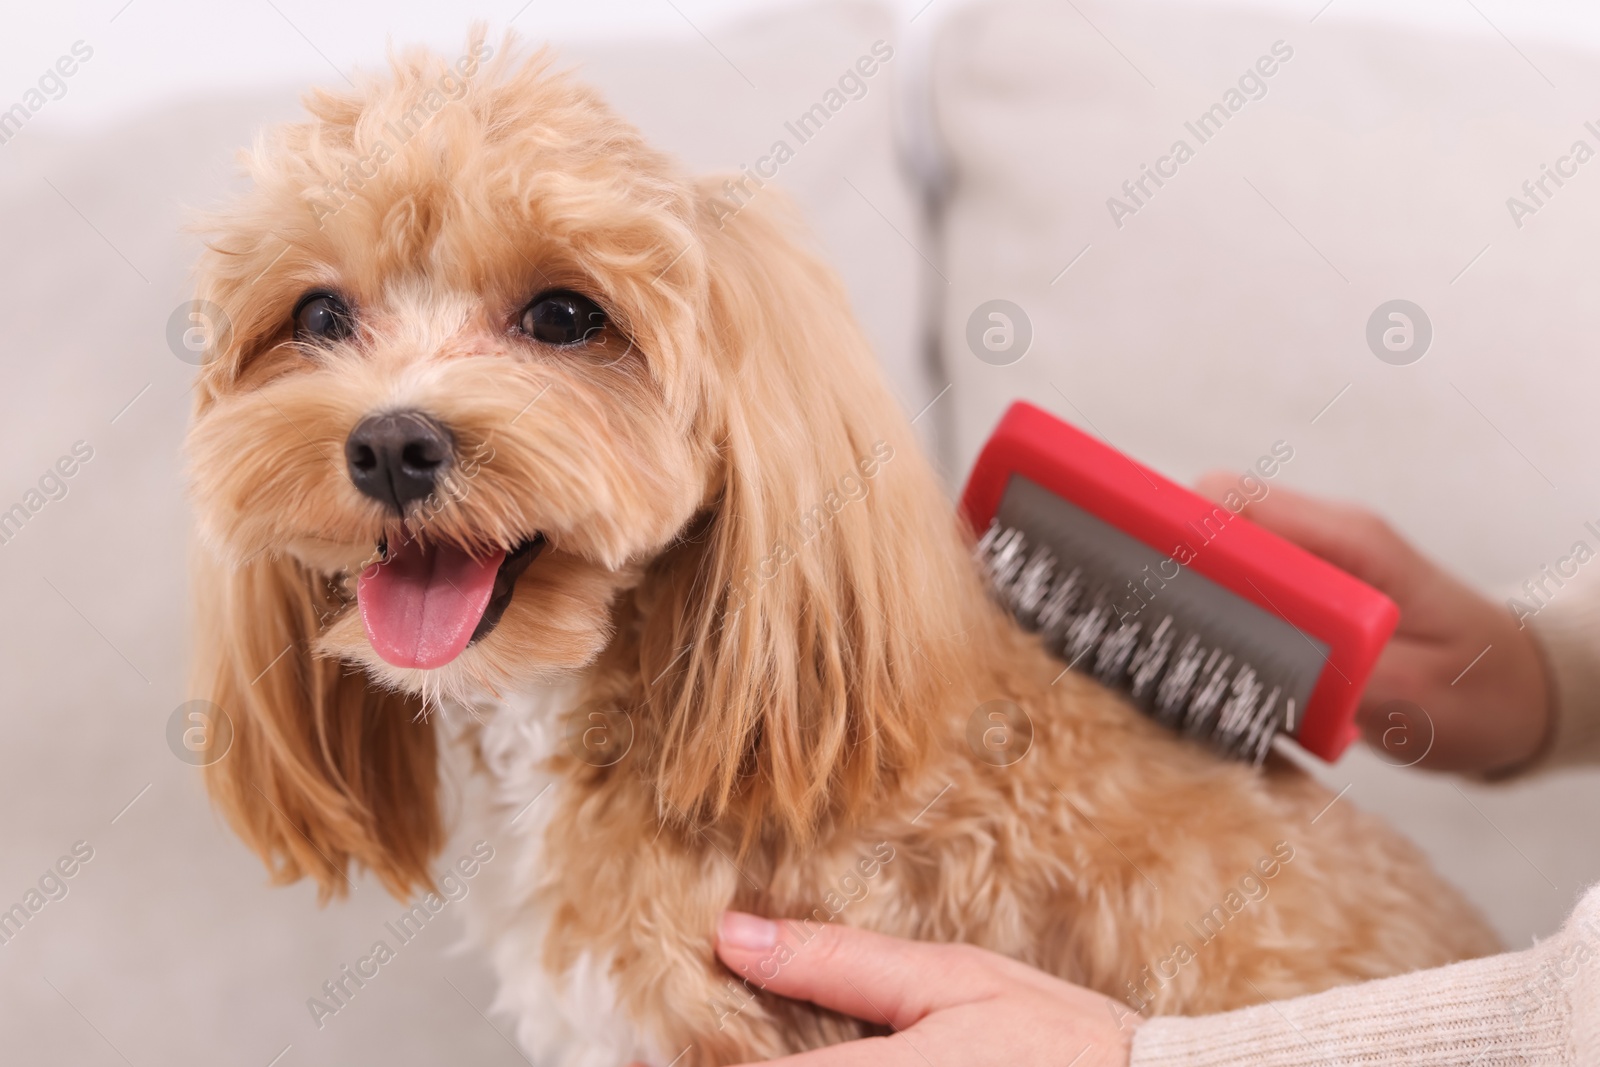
[749, 563]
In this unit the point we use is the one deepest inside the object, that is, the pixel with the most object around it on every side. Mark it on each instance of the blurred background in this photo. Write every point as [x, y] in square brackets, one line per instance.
[1213, 315]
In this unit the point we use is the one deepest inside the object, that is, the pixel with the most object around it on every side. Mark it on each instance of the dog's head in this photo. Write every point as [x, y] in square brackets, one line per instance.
[499, 391]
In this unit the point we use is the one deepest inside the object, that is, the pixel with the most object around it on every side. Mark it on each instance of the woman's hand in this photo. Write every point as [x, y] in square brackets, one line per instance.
[1459, 656]
[949, 1004]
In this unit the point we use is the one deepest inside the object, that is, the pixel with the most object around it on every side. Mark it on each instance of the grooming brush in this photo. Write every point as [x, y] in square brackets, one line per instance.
[1210, 624]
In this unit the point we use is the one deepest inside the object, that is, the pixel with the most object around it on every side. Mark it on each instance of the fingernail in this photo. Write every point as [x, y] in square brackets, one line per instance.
[749, 932]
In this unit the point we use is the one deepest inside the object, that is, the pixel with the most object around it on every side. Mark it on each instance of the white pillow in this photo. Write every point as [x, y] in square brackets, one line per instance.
[1231, 307]
[1227, 308]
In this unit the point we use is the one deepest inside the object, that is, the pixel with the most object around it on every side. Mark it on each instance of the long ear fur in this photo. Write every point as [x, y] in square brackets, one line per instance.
[790, 648]
[323, 769]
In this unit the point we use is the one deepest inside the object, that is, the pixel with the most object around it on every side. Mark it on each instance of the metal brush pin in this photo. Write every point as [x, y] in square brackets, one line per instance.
[1185, 678]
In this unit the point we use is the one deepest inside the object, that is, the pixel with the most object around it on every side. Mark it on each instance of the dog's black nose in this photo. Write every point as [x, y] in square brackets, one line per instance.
[397, 457]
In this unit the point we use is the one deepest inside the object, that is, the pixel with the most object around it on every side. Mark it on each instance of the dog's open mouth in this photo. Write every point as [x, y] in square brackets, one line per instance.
[426, 602]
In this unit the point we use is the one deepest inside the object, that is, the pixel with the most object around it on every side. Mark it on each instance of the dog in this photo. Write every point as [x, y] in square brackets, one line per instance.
[514, 454]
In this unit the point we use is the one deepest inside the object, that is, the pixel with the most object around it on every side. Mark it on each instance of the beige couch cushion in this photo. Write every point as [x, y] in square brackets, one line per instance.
[1226, 308]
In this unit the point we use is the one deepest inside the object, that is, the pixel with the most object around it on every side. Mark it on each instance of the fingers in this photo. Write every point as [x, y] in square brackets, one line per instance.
[1217, 484]
[867, 975]
[1498, 718]
[869, 1052]
[1349, 537]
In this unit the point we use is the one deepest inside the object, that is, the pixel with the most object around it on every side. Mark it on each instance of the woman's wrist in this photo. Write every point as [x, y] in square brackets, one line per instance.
[1566, 635]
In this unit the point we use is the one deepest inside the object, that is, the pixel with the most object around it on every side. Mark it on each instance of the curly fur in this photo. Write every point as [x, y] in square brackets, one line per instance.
[796, 670]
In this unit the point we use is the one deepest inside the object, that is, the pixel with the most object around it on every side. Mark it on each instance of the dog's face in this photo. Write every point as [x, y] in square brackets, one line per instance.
[497, 393]
[469, 386]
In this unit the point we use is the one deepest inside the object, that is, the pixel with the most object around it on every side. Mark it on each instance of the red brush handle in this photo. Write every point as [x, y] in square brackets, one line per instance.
[1350, 617]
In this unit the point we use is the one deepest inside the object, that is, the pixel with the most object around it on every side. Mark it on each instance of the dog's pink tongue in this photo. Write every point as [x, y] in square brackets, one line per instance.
[421, 604]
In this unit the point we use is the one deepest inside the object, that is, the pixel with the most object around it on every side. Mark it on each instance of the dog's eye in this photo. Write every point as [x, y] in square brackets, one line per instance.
[560, 317]
[322, 316]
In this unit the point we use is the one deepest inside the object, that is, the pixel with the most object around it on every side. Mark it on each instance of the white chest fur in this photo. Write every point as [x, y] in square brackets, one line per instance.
[569, 1020]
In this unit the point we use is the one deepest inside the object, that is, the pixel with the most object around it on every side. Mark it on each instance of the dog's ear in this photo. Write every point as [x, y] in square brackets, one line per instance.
[803, 675]
[323, 771]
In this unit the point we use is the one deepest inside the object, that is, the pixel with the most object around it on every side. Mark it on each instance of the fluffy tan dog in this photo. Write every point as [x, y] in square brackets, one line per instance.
[507, 420]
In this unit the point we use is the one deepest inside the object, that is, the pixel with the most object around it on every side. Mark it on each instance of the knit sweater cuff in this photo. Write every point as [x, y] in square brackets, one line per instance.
[1568, 634]
[1538, 1006]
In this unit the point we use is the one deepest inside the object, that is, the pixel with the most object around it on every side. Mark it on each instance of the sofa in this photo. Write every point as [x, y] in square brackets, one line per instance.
[1192, 307]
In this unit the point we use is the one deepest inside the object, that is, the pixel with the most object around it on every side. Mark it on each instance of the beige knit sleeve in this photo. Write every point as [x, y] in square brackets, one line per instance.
[1540, 1006]
[1567, 630]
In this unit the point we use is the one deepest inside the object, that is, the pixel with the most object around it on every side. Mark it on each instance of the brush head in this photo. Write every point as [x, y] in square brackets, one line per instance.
[1208, 623]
